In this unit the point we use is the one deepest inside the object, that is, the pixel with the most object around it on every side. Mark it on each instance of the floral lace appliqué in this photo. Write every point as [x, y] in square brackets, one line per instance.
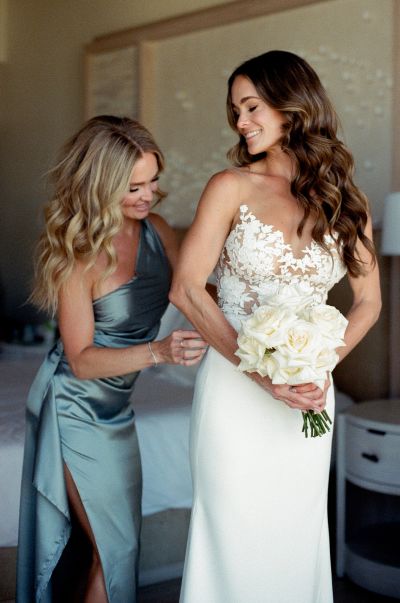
[256, 263]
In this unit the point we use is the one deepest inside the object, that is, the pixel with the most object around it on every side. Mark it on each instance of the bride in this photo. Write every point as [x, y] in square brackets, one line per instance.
[287, 218]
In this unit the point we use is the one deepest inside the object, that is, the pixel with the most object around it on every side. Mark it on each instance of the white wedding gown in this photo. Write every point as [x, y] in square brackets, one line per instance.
[259, 531]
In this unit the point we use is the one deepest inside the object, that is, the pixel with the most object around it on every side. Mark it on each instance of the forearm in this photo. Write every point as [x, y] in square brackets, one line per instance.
[361, 318]
[95, 362]
[207, 318]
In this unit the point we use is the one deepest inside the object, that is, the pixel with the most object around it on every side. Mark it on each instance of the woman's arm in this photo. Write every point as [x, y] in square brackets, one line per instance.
[199, 254]
[76, 324]
[367, 302]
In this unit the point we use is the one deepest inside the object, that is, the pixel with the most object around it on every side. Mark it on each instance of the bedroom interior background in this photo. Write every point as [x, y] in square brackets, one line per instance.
[43, 97]
[127, 70]
[46, 93]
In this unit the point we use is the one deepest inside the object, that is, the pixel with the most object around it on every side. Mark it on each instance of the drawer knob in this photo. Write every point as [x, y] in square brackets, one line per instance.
[370, 457]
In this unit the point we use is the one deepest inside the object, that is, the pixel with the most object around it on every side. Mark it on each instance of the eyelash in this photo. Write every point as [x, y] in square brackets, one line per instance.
[135, 190]
[250, 110]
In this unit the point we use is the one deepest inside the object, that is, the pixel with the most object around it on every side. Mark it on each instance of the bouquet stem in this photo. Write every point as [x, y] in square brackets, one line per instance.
[317, 423]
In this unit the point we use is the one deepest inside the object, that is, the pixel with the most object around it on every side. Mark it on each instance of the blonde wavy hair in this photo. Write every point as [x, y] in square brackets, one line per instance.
[90, 180]
[323, 181]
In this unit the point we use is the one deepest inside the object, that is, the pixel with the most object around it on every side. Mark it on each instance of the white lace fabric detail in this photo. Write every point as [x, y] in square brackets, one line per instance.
[256, 264]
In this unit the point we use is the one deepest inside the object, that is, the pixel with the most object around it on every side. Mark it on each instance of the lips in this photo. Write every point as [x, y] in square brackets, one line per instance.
[252, 134]
[141, 208]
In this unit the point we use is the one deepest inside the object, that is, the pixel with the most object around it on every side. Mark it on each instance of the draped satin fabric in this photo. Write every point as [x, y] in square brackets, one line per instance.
[90, 425]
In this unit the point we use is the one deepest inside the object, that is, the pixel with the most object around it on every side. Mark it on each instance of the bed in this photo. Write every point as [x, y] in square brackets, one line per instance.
[162, 401]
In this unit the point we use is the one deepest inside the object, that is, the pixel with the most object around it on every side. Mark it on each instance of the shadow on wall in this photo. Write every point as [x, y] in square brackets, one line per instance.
[25, 325]
[364, 373]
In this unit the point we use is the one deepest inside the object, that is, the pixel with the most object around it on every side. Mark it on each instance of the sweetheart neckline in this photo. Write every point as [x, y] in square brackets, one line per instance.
[304, 251]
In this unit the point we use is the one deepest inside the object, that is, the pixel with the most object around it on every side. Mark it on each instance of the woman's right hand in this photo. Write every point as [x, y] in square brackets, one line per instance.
[180, 347]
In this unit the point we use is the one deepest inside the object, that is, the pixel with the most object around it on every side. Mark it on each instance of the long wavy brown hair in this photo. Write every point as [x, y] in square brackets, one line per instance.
[90, 180]
[323, 181]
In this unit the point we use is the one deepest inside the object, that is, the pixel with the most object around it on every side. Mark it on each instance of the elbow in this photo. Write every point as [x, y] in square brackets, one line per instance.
[377, 311]
[373, 312]
[178, 294]
[78, 369]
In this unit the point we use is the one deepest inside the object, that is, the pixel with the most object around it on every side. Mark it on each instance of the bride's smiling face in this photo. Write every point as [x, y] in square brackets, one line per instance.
[260, 124]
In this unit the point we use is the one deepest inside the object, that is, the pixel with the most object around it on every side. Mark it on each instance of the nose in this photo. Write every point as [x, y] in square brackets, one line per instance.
[147, 194]
[242, 121]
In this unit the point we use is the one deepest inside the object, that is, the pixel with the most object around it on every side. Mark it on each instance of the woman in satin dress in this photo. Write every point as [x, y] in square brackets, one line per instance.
[104, 265]
[287, 220]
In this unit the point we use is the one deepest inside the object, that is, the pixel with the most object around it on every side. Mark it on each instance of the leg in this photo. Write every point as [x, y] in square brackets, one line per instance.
[95, 589]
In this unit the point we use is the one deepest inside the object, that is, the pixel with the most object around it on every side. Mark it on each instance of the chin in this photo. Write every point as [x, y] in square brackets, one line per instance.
[254, 151]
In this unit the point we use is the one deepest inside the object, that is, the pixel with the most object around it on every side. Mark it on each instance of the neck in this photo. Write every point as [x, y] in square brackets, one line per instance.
[129, 227]
[277, 163]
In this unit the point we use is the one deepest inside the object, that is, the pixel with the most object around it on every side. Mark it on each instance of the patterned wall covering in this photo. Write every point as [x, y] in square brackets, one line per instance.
[335, 37]
[112, 86]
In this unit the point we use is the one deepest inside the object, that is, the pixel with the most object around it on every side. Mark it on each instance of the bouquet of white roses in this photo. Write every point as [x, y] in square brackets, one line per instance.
[293, 344]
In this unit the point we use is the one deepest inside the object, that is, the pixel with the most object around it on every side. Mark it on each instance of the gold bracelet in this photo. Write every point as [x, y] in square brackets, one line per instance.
[153, 354]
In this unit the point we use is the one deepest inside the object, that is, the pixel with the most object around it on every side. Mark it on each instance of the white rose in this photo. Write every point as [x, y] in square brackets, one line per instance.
[302, 343]
[253, 356]
[268, 325]
[267, 365]
[250, 352]
[296, 357]
[294, 375]
[331, 323]
[295, 296]
[326, 360]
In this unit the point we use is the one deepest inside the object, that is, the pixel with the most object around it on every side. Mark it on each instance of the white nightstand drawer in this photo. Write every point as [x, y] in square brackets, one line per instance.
[373, 454]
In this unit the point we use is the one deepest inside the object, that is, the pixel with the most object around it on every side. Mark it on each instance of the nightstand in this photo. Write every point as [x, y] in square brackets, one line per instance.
[368, 496]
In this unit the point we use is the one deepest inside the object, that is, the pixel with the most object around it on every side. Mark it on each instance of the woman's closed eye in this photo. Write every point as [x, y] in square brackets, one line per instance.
[153, 183]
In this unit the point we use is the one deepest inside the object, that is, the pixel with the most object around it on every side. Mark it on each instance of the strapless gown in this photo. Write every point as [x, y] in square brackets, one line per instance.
[90, 425]
[259, 530]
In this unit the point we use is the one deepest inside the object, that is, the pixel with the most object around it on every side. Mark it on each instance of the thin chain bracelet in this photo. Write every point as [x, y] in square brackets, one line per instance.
[153, 354]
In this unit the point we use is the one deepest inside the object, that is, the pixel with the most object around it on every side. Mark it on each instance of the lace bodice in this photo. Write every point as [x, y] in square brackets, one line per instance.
[256, 263]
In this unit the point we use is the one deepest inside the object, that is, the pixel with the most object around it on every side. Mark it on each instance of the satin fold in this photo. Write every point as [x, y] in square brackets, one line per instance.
[89, 425]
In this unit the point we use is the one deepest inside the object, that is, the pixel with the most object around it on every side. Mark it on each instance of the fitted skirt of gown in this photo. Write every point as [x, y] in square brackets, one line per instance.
[259, 530]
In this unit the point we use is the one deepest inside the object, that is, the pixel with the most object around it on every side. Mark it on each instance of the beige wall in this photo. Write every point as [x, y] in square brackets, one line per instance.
[41, 103]
[333, 36]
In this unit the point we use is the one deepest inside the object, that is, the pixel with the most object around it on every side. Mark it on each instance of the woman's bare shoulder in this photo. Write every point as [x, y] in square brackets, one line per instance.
[229, 185]
[232, 176]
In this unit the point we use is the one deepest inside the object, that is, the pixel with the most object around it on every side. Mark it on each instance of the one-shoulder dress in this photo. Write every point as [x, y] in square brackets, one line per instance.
[259, 526]
[90, 425]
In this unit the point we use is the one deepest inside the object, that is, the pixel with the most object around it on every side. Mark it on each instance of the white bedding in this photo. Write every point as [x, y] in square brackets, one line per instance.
[162, 401]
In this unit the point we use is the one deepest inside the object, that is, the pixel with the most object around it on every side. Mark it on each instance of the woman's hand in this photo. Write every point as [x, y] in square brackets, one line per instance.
[180, 347]
[306, 396]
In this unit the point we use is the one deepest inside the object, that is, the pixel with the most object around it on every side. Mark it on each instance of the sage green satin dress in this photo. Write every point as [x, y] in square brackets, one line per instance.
[90, 425]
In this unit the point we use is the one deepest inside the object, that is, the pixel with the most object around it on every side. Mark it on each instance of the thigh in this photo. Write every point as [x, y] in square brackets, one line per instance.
[77, 507]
